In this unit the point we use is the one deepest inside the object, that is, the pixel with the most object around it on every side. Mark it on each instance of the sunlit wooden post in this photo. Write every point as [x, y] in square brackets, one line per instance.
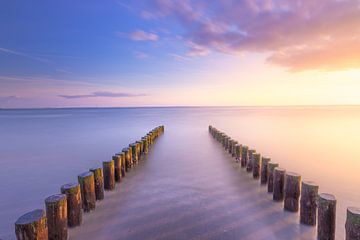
[352, 224]
[270, 175]
[32, 226]
[326, 217]
[249, 166]
[292, 191]
[99, 182]
[233, 151]
[87, 187]
[134, 153]
[109, 175]
[56, 214]
[127, 154]
[117, 166]
[264, 170]
[238, 150]
[279, 182]
[256, 165]
[146, 146]
[244, 156]
[308, 203]
[74, 209]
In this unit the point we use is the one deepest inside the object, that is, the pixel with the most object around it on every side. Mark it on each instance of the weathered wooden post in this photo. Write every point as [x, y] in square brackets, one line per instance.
[270, 175]
[73, 197]
[87, 187]
[233, 151]
[109, 175]
[99, 182]
[146, 146]
[326, 217]
[138, 149]
[224, 140]
[32, 226]
[249, 166]
[127, 153]
[352, 224]
[123, 163]
[256, 165]
[279, 182]
[117, 166]
[308, 206]
[56, 214]
[244, 156]
[134, 153]
[238, 151]
[230, 145]
[264, 170]
[292, 191]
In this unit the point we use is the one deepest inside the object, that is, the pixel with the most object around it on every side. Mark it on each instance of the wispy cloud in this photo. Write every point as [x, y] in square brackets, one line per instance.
[140, 35]
[9, 51]
[299, 35]
[140, 55]
[102, 94]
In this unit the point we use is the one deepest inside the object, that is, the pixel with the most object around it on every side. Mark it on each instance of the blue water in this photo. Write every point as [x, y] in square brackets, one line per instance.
[42, 149]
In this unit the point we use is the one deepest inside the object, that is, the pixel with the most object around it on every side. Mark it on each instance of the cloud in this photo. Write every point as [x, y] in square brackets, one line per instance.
[140, 55]
[9, 51]
[140, 35]
[299, 35]
[102, 94]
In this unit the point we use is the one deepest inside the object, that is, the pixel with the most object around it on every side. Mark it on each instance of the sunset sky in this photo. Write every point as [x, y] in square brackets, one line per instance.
[179, 53]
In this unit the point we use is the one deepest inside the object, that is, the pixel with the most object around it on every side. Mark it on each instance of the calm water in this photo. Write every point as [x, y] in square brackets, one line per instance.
[42, 149]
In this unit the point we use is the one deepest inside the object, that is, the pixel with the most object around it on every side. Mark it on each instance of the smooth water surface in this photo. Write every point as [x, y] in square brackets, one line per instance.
[42, 149]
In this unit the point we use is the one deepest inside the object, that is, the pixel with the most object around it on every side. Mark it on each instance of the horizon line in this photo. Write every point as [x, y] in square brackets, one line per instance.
[187, 106]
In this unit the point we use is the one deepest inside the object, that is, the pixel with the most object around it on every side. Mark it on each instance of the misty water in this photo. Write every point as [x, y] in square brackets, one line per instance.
[42, 149]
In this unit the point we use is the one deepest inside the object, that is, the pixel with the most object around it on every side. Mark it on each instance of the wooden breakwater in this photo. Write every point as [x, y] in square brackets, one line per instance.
[318, 210]
[65, 209]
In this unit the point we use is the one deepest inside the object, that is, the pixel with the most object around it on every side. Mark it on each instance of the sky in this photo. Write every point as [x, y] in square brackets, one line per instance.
[128, 53]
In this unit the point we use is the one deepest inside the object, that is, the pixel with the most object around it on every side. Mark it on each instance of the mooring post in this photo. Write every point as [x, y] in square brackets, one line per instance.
[32, 226]
[117, 166]
[99, 182]
[138, 149]
[326, 217]
[123, 162]
[270, 175]
[264, 170]
[256, 165]
[146, 146]
[308, 205]
[74, 209]
[292, 191]
[56, 215]
[109, 175]
[279, 182]
[249, 166]
[134, 153]
[244, 156]
[87, 187]
[352, 225]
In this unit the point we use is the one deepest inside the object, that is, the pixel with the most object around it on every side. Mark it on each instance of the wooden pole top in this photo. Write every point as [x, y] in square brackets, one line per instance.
[293, 175]
[327, 197]
[310, 184]
[55, 198]
[279, 169]
[69, 186]
[31, 217]
[266, 159]
[85, 174]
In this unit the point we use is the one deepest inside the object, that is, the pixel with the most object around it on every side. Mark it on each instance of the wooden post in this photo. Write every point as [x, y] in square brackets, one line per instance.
[292, 191]
[352, 224]
[264, 170]
[279, 182]
[249, 166]
[134, 153]
[126, 151]
[233, 151]
[145, 143]
[109, 175]
[99, 182]
[32, 226]
[326, 217]
[230, 145]
[224, 140]
[309, 193]
[73, 197]
[138, 149]
[56, 214]
[256, 165]
[123, 163]
[270, 175]
[117, 166]
[244, 156]
[238, 150]
[87, 187]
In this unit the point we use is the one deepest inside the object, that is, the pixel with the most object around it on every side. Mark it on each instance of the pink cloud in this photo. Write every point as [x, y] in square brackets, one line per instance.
[140, 35]
[299, 35]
